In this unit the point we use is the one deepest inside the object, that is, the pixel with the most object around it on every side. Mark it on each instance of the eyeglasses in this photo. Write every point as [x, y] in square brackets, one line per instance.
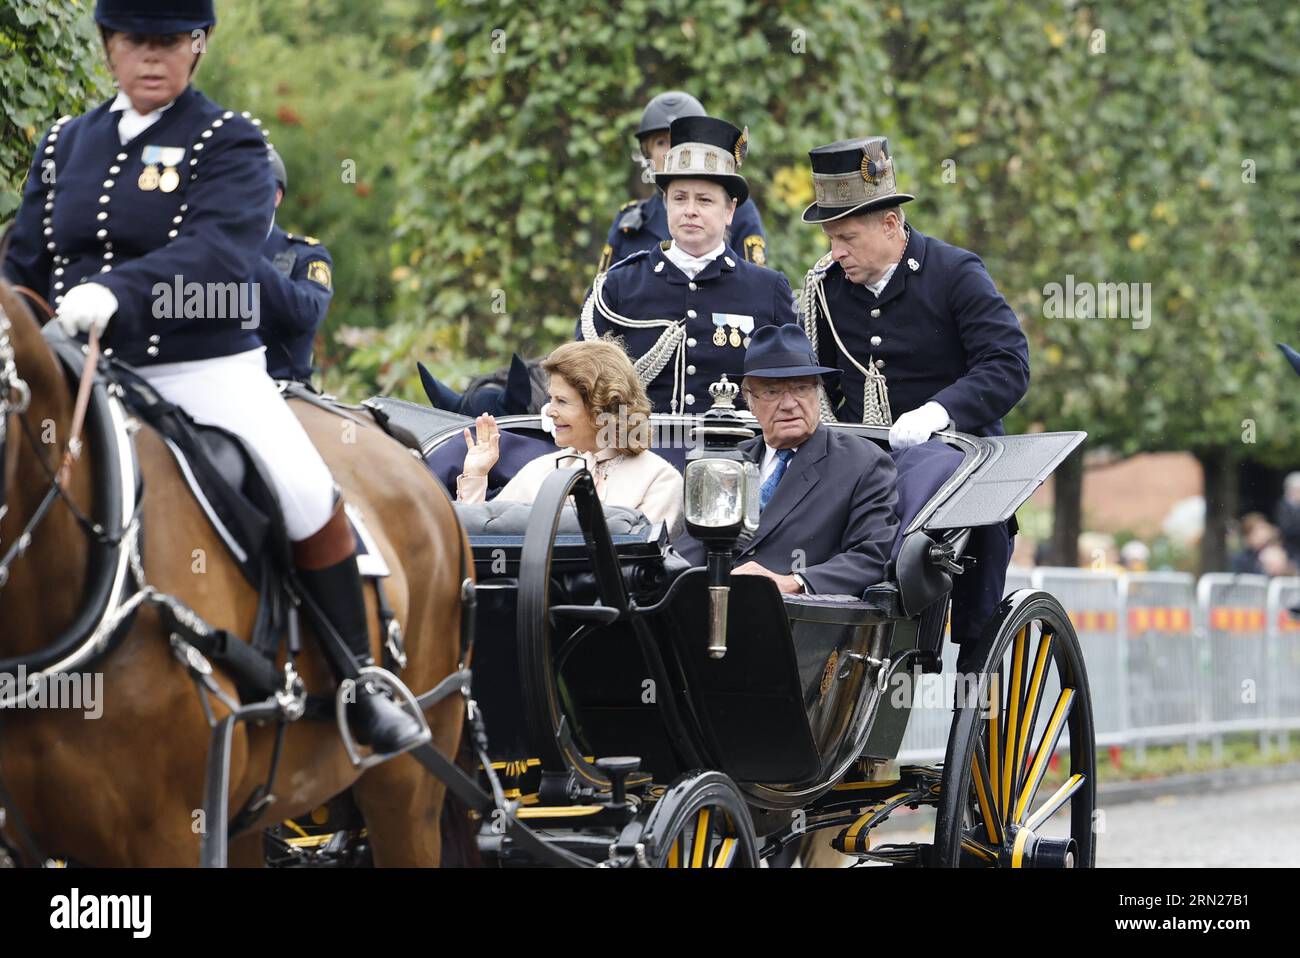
[773, 393]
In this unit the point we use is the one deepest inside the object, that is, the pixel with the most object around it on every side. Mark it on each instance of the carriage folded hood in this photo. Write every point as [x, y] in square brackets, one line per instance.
[1009, 470]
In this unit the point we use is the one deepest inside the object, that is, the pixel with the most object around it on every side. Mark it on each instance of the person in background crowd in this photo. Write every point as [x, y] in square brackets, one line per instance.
[1287, 516]
[1257, 533]
[1134, 556]
[1273, 561]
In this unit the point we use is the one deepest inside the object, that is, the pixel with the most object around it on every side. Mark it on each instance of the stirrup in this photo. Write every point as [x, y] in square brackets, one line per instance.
[347, 693]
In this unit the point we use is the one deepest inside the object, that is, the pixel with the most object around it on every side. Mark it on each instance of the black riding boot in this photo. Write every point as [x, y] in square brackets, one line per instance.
[377, 720]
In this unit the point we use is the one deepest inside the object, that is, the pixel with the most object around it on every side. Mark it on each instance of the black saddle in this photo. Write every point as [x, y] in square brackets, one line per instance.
[226, 477]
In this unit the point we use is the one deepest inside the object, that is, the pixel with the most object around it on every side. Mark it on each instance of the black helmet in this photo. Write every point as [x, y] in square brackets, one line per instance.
[155, 16]
[277, 169]
[660, 112]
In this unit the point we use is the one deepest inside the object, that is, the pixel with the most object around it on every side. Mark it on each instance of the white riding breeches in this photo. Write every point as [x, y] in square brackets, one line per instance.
[235, 393]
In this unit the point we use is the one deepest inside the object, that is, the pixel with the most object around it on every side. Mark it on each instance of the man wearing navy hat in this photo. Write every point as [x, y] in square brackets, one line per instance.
[296, 285]
[827, 521]
[686, 309]
[922, 336]
[642, 224]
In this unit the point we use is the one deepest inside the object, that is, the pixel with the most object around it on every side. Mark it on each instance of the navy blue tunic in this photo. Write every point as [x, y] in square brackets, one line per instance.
[944, 331]
[745, 233]
[179, 261]
[728, 296]
[296, 285]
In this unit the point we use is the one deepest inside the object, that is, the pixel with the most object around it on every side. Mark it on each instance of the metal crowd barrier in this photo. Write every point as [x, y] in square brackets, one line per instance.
[1092, 601]
[1170, 659]
[1165, 686]
[1233, 623]
[1284, 657]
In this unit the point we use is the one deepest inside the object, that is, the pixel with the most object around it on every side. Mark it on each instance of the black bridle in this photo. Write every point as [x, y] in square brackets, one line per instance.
[15, 397]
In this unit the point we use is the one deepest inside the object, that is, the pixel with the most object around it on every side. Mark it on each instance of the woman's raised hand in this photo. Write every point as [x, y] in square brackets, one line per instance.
[482, 455]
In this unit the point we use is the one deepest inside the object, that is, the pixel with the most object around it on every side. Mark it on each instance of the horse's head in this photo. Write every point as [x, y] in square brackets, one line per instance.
[15, 394]
[35, 414]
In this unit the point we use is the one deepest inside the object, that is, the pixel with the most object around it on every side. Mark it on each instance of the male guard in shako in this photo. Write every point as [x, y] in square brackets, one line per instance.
[686, 309]
[641, 224]
[923, 338]
[295, 282]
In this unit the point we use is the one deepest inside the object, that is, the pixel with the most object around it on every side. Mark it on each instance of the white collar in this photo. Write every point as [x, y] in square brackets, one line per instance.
[131, 123]
[123, 102]
[689, 263]
[769, 455]
[879, 285]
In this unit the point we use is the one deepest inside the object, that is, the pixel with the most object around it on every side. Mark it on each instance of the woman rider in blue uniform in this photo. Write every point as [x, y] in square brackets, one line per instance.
[147, 194]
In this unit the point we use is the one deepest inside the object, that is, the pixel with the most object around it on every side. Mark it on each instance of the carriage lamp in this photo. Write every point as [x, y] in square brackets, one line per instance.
[721, 499]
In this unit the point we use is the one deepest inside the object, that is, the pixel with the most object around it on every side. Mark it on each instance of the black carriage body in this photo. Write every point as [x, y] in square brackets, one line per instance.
[808, 686]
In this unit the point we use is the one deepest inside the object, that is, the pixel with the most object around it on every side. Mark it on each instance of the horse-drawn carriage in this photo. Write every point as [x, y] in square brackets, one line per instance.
[642, 712]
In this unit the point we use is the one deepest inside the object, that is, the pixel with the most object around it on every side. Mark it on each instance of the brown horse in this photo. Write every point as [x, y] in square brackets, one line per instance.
[126, 789]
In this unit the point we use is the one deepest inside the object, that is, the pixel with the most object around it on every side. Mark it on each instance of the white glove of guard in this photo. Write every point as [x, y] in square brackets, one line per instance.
[84, 306]
[915, 427]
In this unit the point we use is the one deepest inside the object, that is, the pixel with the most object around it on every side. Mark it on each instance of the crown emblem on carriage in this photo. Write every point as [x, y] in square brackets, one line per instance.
[724, 393]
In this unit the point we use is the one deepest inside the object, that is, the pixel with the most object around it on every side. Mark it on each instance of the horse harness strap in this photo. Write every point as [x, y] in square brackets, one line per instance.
[109, 600]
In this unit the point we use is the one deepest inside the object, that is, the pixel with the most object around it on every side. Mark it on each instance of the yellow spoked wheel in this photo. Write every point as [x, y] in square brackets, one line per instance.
[1005, 802]
[701, 822]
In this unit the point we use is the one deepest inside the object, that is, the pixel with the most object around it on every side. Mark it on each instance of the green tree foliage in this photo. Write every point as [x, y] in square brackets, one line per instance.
[51, 63]
[333, 84]
[523, 134]
[1250, 51]
[1054, 139]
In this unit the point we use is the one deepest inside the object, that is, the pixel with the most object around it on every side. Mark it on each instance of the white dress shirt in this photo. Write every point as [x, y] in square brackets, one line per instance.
[879, 285]
[131, 124]
[689, 264]
[769, 463]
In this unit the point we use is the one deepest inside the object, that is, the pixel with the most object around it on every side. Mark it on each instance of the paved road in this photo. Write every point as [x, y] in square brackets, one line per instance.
[1251, 827]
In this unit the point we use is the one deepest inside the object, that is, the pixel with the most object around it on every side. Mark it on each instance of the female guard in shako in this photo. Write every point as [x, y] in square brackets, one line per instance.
[641, 224]
[160, 189]
[686, 309]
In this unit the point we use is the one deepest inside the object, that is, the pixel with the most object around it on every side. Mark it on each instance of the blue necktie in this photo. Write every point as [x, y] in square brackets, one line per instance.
[768, 488]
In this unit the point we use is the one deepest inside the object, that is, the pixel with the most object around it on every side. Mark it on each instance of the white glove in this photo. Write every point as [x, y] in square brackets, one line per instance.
[548, 424]
[915, 427]
[86, 305]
